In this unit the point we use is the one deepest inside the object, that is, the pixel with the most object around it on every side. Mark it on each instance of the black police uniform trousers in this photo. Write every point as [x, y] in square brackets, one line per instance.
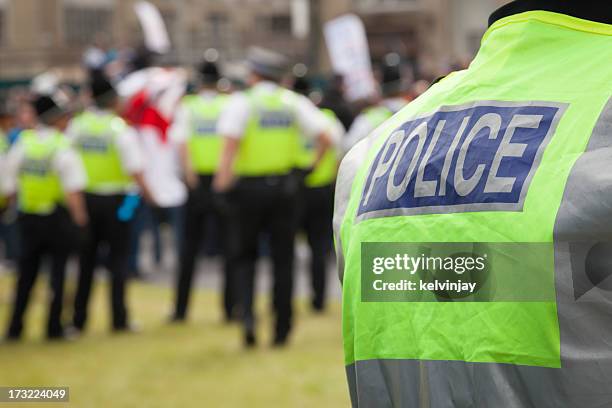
[264, 205]
[316, 210]
[42, 236]
[104, 228]
[203, 213]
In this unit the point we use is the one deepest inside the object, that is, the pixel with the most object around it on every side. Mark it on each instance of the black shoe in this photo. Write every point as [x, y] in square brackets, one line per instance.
[62, 336]
[318, 307]
[249, 339]
[280, 340]
[128, 328]
[174, 319]
[12, 338]
[231, 316]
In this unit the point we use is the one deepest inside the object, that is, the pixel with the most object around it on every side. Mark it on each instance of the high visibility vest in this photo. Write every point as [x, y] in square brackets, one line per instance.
[325, 172]
[3, 151]
[204, 143]
[376, 115]
[268, 146]
[514, 153]
[95, 142]
[38, 187]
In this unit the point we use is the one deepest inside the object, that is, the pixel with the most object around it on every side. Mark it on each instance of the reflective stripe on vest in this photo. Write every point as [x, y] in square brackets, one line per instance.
[515, 149]
[325, 172]
[39, 190]
[95, 143]
[269, 143]
[204, 143]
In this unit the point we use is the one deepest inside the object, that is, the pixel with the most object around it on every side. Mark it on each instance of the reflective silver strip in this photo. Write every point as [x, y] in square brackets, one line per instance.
[347, 171]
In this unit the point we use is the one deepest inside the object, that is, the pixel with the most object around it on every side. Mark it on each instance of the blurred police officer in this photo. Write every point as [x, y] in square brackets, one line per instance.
[261, 128]
[113, 161]
[392, 87]
[4, 146]
[5, 237]
[195, 131]
[316, 199]
[47, 177]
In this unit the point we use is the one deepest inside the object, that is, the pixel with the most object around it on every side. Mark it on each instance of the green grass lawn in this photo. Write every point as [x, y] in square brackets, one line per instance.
[201, 364]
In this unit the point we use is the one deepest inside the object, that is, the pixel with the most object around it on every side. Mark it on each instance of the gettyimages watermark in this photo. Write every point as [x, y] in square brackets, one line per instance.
[457, 271]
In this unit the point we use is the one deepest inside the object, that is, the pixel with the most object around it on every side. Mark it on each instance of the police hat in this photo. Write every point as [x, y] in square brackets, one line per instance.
[267, 63]
[391, 74]
[209, 72]
[101, 87]
[47, 108]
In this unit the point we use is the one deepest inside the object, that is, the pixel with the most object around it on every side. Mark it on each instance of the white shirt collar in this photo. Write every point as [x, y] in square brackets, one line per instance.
[207, 93]
[265, 86]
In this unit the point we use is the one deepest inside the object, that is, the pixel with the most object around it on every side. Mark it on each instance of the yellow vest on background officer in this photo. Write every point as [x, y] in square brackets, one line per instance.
[114, 164]
[3, 151]
[392, 100]
[316, 200]
[46, 177]
[195, 131]
[260, 128]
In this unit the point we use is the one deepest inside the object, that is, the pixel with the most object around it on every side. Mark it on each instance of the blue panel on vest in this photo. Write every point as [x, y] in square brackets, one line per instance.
[206, 127]
[275, 119]
[479, 158]
[94, 144]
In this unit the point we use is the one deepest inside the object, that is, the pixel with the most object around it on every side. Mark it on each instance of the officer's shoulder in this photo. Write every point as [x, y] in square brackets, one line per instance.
[292, 96]
[239, 100]
[79, 117]
[189, 99]
[118, 124]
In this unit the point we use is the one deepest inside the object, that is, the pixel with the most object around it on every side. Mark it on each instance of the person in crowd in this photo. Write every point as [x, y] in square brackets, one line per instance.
[392, 88]
[261, 128]
[195, 131]
[316, 199]
[152, 94]
[334, 100]
[25, 118]
[4, 237]
[46, 177]
[114, 165]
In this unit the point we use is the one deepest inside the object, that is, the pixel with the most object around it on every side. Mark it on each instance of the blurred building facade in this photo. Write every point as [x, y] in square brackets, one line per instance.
[37, 34]
[431, 34]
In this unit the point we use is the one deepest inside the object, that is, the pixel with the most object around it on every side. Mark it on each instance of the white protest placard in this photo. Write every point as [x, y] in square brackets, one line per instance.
[349, 53]
[155, 33]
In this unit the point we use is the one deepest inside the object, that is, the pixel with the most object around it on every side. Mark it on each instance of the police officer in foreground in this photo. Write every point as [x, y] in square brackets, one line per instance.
[46, 177]
[114, 164]
[195, 131]
[261, 129]
[513, 152]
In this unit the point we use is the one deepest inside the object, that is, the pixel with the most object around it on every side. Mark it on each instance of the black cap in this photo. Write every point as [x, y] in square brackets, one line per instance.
[46, 108]
[209, 72]
[301, 85]
[391, 78]
[101, 87]
[102, 91]
[267, 63]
